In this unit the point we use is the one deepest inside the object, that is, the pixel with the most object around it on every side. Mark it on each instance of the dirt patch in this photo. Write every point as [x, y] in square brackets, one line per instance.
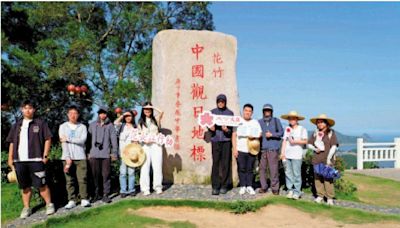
[270, 216]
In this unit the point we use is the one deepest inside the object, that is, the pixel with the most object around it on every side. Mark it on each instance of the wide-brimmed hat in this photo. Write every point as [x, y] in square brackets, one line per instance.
[147, 106]
[12, 176]
[133, 155]
[330, 121]
[253, 145]
[292, 114]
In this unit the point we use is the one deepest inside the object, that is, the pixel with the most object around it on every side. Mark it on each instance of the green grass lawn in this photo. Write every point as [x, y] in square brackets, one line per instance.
[11, 202]
[375, 190]
[119, 214]
[371, 190]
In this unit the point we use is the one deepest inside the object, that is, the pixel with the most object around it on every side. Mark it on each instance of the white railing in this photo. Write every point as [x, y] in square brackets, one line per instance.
[371, 152]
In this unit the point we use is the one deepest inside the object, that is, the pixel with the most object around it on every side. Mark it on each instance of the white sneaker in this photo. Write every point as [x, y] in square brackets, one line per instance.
[250, 190]
[159, 191]
[25, 213]
[318, 199]
[330, 202]
[85, 203]
[71, 204]
[50, 209]
[289, 195]
[295, 197]
[242, 190]
[146, 193]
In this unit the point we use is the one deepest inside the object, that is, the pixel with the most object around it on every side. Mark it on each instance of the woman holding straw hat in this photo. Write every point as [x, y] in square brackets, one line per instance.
[294, 139]
[125, 126]
[324, 144]
[149, 125]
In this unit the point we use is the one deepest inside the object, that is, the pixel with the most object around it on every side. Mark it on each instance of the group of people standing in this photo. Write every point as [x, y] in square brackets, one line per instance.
[30, 141]
[277, 144]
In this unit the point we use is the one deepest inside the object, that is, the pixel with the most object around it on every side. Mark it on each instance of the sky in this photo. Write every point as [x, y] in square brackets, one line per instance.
[338, 58]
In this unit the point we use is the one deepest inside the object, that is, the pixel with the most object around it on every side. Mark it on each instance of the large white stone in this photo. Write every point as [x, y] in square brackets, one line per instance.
[174, 58]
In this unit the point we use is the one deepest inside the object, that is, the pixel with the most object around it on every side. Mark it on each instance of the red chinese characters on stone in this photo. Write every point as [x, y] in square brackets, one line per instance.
[198, 132]
[198, 92]
[197, 110]
[198, 153]
[217, 58]
[198, 71]
[218, 72]
[177, 117]
[197, 50]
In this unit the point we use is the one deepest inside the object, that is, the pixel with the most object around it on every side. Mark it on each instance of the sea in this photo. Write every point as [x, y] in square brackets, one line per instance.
[374, 138]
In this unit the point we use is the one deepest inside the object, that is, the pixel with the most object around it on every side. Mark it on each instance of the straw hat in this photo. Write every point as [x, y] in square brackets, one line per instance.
[12, 177]
[253, 145]
[331, 122]
[292, 114]
[133, 155]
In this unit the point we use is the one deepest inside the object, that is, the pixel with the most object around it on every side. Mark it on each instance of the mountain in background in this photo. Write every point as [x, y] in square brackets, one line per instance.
[347, 139]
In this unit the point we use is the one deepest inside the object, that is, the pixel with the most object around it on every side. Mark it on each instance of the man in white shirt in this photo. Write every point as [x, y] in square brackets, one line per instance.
[30, 141]
[247, 129]
[73, 140]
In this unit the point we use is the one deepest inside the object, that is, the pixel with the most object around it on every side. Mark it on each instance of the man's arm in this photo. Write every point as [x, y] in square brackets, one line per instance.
[11, 156]
[46, 152]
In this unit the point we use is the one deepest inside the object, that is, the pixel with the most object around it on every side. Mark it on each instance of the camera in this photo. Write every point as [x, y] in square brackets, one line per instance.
[98, 145]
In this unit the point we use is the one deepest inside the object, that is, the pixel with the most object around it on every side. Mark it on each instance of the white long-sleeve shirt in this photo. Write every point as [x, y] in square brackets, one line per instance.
[75, 146]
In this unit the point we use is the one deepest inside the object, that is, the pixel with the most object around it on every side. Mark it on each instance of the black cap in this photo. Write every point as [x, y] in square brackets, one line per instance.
[102, 109]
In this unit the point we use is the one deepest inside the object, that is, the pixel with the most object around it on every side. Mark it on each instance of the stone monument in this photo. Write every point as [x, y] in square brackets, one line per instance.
[190, 68]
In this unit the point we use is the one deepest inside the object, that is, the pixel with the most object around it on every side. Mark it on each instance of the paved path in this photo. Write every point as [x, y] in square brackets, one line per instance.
[195, 192]
[393, 174]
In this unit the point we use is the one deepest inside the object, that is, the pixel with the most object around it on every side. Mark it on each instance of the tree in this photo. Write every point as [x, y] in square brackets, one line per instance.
[106, 45]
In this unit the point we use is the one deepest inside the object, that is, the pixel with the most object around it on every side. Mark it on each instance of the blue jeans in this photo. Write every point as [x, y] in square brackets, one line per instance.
[123, 170]
[293, 175]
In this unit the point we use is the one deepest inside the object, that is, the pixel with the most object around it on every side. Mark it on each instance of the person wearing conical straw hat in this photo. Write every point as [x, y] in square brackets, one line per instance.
[125, 126]
[294, 139]
[246, 145]
[324, 144]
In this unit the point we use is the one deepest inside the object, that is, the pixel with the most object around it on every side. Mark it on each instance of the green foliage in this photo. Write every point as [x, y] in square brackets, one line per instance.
[4, 166]
[371, 165]
[345, 187]
[104, 45]
[350, 160]
[242, 207]
[55, 151]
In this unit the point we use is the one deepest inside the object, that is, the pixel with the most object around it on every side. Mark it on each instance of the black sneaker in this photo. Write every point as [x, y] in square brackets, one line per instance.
[123, 195]
[96, 198]
[223, 191]
[215, 191]
[106, 199]
[132, 194]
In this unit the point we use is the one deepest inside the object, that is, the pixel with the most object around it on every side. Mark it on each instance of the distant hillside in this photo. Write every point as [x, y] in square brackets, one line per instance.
[347, 139]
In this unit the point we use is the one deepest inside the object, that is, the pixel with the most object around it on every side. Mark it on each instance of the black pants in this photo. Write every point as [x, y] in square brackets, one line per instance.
[101, 171]
[221, 165]
[245, 166]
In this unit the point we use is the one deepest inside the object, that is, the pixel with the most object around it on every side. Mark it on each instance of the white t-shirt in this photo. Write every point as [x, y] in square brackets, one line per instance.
[294, 151]
[245, 129]
[23, 143]
[125, 137]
